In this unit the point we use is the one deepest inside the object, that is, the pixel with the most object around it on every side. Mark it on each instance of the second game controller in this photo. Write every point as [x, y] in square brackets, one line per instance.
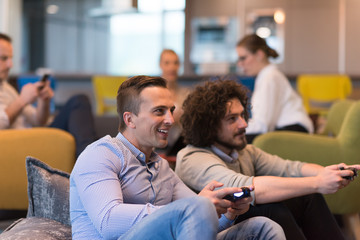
[352, 169]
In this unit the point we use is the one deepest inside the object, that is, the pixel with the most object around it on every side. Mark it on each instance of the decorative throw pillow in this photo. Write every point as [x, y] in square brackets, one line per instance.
[48, 191]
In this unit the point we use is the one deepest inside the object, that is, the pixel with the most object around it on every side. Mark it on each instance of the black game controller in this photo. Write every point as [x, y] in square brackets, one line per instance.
[238, 195]
[352, 169]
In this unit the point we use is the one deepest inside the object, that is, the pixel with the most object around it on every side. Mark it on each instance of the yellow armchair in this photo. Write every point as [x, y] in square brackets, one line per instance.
[320, 91]
[105, 91]
[53, 146]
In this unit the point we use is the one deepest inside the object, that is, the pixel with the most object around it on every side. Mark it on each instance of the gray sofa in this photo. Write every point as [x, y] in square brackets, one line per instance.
[48, 215]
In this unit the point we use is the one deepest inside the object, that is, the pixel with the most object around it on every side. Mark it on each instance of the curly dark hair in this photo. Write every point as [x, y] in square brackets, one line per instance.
[205, 107]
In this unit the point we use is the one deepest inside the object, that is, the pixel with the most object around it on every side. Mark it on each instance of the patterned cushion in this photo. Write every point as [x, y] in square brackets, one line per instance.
[36, 228]
[48, 214]
[48, 192]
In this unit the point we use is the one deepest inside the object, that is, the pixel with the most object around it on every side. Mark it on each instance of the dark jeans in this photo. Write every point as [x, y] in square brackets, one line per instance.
[296, 127]
[306, 217]
[76, 118]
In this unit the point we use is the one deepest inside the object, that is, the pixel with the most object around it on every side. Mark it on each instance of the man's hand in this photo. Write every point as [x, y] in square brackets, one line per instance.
[29, 93]
[45, 93]
[345, 173]
[216, 196]
[239, 207]
[330, 179]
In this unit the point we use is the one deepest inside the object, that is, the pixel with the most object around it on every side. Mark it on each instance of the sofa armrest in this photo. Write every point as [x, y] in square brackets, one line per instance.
[301, 146]
[53, 146]
[317, 149]
[36, 228]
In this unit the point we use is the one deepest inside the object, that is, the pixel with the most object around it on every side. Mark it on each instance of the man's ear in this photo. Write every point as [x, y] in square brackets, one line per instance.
[129, 119]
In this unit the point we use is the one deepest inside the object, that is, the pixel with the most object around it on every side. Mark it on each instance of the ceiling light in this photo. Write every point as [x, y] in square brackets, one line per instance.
[263, 32]
[52, 9]
[279, 17]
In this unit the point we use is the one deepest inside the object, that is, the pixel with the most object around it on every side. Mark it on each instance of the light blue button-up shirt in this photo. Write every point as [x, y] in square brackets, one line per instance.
[112, 188]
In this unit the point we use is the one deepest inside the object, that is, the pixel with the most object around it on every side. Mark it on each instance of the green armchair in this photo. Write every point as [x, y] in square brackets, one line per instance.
[344, 146]
[340, 142]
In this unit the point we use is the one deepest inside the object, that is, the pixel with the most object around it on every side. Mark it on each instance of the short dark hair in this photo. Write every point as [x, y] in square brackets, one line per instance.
[5, 37]
[253, 43]
[128, 95]
[205, 107]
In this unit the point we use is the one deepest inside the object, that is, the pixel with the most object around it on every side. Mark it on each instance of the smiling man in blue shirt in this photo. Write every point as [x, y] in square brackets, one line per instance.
[121, 189]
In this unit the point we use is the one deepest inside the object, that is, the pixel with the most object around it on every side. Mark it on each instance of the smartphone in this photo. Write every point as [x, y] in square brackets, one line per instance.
[43, 80]
[238, 195]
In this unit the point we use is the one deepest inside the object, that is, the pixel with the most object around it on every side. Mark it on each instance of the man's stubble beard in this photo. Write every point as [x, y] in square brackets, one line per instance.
[233, 146]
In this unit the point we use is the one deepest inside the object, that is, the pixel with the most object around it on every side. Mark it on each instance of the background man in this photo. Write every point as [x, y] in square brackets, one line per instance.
[120, 187]
[214, 121]
[16, 110]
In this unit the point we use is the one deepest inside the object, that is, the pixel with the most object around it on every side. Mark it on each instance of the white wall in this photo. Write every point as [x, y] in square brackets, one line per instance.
[352, 40]
[312, 36]
[10, 23]
[316, 39]
[75, 42]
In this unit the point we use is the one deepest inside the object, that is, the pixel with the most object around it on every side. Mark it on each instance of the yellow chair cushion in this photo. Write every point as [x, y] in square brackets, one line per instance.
[320, 91]
[53, 146]
[105, 91]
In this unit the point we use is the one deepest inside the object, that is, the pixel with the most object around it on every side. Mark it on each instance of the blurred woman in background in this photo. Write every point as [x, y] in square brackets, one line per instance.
[275, 104]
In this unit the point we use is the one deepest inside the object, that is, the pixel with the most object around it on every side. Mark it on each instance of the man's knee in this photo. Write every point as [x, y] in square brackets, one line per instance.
[200, 208]
[315, 201]
[267, 223]
[254, 228]
[316, 197]
[311, 201]
[277, 211]
[79, 101]
[270, 229]
[201, 205]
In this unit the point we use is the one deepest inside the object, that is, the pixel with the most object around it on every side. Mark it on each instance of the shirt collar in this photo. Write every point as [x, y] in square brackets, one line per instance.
[139, 155]
[226, 158]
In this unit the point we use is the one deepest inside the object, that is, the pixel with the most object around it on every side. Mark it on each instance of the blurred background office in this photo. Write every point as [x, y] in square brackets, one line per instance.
[79, 38]
[78, 41]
